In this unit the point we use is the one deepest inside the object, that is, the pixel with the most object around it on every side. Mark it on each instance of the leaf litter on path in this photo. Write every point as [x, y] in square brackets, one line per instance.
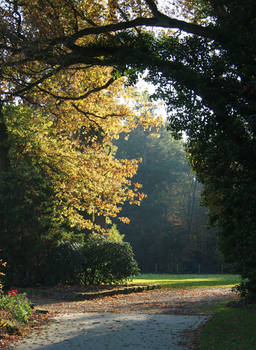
[172, 304]
[161, 301]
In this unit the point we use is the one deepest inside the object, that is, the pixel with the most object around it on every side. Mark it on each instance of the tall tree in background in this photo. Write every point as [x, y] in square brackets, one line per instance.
[203, 62]
[168, 231]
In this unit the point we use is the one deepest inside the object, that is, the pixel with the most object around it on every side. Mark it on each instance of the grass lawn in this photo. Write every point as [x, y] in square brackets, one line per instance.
[230, 329]
[188, 281]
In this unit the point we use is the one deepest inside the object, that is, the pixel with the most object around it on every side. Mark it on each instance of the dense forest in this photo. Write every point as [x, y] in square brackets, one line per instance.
[169, 231]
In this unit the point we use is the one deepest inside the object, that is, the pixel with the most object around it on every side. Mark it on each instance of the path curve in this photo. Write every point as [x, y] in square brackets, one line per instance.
[159, 301]
[152, 320]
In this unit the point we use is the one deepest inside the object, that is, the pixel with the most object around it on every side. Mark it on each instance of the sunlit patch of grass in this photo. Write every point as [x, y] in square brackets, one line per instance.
[188, 281]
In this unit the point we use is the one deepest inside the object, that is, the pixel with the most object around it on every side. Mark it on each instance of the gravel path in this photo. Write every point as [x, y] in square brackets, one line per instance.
[94, 331]
[153, 320]
[158, 301]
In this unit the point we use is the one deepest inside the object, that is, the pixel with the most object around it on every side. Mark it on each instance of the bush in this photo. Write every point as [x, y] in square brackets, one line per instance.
[98, 261]
[64, 265]
[108, 261]
[17, 304]
[247, 290]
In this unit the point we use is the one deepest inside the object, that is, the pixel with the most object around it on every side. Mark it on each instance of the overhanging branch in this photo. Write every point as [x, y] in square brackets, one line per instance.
[161, 21]
[80, 97]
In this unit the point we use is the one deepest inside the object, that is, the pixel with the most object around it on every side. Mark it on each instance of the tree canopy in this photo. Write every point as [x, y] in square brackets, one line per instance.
[79, 34]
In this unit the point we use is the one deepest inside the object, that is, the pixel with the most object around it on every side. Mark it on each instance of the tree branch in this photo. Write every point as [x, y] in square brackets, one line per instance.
[34, 84]
[99, 116]
[86, 115]
[161, 21]
[80, 97]
[152, 5]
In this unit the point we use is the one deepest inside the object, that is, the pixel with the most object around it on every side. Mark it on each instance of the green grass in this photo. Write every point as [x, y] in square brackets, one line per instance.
[230, 329]
[188, 281]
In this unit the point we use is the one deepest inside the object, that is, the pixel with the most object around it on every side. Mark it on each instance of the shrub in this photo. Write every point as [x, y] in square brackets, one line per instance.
[108, 261]
[98, 261]
[17, 304]
[65, 265]
[247, 290]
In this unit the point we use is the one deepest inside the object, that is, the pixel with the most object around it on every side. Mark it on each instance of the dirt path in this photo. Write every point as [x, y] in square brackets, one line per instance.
[158, 301]
[112, 331]
[152, 320]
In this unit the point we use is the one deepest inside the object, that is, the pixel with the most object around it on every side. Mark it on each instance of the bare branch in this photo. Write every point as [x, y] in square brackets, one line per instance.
[161, 21]
[102, 117]
[18, 20]
[80, 97]
[126, 18]
[35, 83]
[86, 115]
[152, 5]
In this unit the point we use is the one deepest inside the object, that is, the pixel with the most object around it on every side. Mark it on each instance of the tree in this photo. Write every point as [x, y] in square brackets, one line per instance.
[203, 63]
[60, 180]
[30, 220]
[168, 231]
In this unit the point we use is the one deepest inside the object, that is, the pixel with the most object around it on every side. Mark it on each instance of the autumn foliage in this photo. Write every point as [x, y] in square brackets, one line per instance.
[64, 181]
